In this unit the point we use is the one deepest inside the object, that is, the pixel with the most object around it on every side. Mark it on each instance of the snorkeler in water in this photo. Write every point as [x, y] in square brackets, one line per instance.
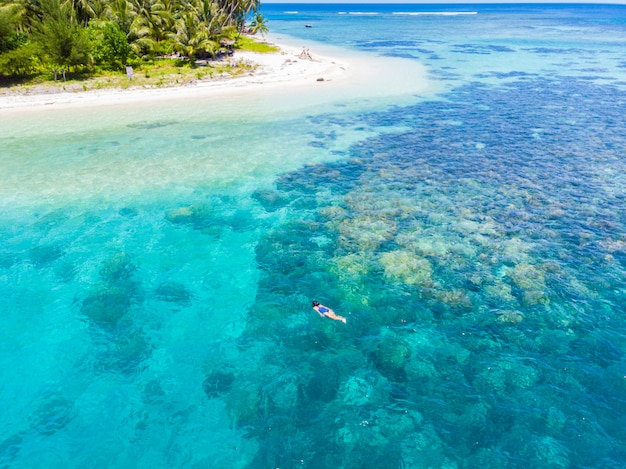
[329, 313]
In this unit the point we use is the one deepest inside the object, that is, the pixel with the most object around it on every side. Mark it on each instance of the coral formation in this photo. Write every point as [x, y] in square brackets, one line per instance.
[510, 317]
[197, 216]
[107, 307]
[390, 357]
[218, 382]
[173, 292]
[407, 267]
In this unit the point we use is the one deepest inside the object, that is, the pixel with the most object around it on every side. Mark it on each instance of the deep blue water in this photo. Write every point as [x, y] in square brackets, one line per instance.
[475, 240]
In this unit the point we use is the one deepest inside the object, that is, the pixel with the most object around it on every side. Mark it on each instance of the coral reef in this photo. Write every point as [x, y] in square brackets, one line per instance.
[407, 267]
[455, 287]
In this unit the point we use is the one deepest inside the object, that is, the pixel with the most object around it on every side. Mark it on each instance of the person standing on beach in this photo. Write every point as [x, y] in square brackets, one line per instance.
[329, 313]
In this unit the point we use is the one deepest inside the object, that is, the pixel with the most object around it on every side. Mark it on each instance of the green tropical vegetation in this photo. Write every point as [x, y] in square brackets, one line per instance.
[87, 38]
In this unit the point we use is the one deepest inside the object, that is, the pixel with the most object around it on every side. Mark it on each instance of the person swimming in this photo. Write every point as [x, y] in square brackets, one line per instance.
[329, 313]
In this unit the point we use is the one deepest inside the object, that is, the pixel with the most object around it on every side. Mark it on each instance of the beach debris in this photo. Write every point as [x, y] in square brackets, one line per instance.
[305, 54]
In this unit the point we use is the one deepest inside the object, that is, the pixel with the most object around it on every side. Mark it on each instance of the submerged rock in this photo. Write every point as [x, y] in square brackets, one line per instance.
[53, 415]
[535, 297]
[128, 212]
[284, 395]
[395, 425]
[43, 255]
[198, 216]
[173, 292]
[107, 307]
[9, 448]
[424, 448]
[547, 452]
[532, 283]
[356, 391]
[131, 350]
[498, 292]
[365, 233]
[218, 382]
[510, 317]
[322, 384]
[456, 298]
[351, 268]
[272, 200]
[521, 376]
[242, 401]
[116, 268]
[527, 277]
[242, 221]
[390, 357]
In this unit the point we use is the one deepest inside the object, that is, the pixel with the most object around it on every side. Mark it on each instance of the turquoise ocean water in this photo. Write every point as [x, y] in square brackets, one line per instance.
[157, 261]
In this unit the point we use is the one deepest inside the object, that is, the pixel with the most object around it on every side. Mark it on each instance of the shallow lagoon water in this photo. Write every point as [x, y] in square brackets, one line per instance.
[157, 266]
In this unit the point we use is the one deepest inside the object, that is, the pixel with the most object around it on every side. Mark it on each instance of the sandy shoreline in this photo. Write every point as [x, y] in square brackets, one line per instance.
[327, 73]
[287, 68]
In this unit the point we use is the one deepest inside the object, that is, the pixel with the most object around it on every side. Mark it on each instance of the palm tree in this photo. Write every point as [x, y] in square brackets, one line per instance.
[59, 28]
[191, 38]
[259, 24]
[164, 15]
[146, 33]
[236, 11]
[17, 55]
[87, 10]
[122, 13]
[209, 13]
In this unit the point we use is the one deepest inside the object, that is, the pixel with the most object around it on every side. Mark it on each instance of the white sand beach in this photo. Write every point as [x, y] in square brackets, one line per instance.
[301, 68]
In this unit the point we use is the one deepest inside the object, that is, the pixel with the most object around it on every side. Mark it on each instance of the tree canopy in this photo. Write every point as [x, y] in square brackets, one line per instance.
[80, 35]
